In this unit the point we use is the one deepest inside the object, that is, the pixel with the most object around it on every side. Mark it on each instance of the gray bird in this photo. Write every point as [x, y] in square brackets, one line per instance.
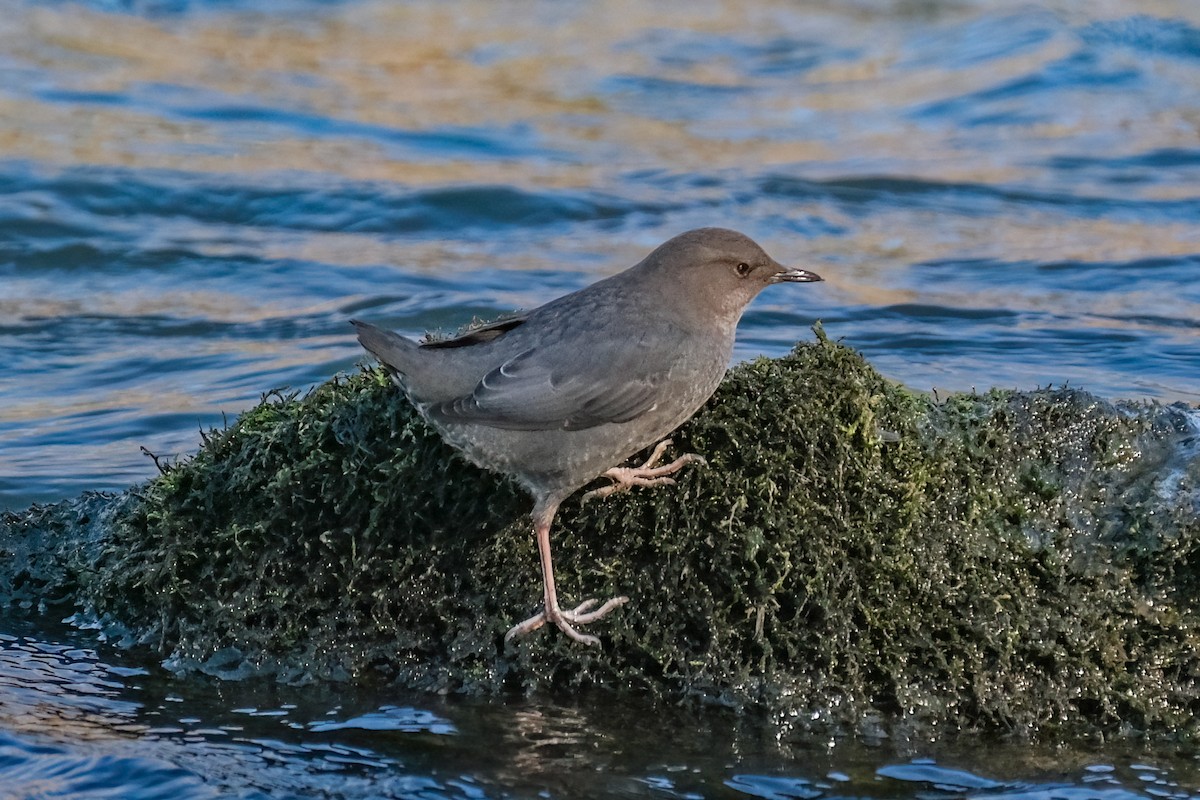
[556, 396]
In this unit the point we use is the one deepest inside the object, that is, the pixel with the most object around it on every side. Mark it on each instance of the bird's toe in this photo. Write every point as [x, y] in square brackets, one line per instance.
[582, 638]
[528, 626]
[566, 621]
[580, 615]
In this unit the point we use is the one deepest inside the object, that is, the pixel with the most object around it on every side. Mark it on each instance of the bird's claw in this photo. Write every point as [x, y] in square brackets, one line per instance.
[564, 620]
[648, 474]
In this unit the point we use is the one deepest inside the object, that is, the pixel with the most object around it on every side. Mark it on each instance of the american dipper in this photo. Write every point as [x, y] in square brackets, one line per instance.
[555, 396]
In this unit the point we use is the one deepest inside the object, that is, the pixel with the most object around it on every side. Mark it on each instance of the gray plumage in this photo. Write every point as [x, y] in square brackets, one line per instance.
[556, 396]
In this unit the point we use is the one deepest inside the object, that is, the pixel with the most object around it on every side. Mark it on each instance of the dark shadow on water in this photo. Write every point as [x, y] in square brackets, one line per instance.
[81, 720]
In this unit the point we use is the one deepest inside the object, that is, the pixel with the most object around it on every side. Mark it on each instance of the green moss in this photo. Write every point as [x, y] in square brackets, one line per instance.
[853, 554]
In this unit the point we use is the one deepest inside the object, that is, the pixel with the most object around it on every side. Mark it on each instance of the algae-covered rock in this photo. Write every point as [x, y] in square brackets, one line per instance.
[854, 555]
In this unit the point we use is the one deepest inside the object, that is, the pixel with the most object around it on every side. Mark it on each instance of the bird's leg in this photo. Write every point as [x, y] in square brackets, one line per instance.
[581, 614]
[625, 478]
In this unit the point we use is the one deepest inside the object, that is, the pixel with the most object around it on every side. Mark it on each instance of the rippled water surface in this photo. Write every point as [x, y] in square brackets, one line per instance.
[196, 196]
[79, 722]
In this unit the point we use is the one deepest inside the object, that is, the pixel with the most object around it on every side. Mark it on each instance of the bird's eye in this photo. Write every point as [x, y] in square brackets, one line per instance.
[742, 269]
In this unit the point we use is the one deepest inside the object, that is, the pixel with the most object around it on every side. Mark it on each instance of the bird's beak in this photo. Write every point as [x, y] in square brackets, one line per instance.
[795, 276]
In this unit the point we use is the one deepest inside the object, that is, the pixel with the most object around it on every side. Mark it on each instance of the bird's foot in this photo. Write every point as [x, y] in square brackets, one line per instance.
[625, 478]
[565, 620]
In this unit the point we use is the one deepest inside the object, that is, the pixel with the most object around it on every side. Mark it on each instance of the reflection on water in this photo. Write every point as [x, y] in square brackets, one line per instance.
[75, 723]
[196, 195]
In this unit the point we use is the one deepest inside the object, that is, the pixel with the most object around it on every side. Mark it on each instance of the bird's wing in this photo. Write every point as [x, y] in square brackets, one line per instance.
[480, 333]
[613, 381]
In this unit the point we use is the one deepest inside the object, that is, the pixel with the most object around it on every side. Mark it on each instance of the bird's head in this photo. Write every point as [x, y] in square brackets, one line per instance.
[718, 271]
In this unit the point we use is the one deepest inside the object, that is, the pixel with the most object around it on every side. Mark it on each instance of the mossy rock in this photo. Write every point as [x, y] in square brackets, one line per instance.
[854, 556]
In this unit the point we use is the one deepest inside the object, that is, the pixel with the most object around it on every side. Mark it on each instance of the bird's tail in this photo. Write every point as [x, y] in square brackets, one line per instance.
[392, 349]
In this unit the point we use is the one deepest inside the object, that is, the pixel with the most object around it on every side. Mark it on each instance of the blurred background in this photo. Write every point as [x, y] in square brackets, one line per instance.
[195, 196]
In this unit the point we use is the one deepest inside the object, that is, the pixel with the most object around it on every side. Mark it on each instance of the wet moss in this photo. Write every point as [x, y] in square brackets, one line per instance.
[854, 557]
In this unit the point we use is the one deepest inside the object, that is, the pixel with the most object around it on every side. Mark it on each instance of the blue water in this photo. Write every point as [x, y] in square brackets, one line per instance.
[78, 720]
[196, 196]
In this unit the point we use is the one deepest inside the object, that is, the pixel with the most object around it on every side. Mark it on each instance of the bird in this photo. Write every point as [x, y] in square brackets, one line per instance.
[558, 396]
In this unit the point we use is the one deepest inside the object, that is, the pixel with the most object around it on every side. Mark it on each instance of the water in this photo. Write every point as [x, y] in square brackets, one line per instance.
[195, 196]
[78, 720]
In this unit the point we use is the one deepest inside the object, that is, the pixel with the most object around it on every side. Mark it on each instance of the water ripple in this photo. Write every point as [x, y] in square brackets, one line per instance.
[104, 194]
